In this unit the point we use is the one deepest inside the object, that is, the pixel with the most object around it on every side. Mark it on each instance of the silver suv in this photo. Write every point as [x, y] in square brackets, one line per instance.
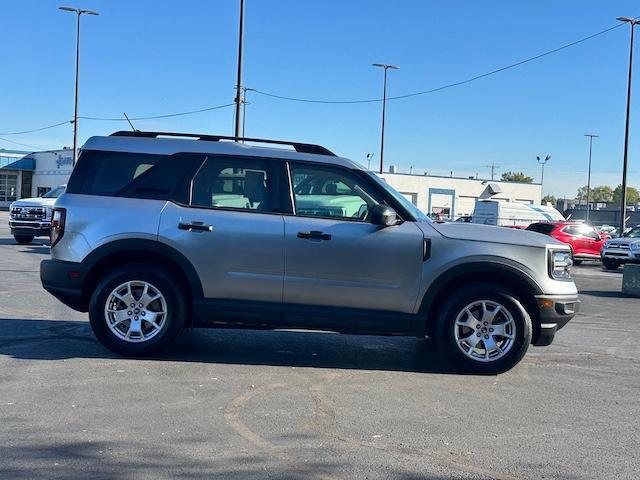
[157, 232]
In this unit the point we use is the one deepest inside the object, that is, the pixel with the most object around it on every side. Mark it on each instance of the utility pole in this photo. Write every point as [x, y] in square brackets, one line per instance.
[543, 162]
[493, 168]
[384, 108]
[591, 137]
[244, 106]
[239, 93]
[78, 13]
[623, 202]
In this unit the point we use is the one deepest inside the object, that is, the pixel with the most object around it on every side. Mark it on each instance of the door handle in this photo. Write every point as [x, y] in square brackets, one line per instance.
[195, 227]
[314, 235]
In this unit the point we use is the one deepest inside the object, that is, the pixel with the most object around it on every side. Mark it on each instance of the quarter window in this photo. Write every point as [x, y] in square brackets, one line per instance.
[331, 193]
[235, 183]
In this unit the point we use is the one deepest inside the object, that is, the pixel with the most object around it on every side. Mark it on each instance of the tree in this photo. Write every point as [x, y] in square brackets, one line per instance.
[549, 199]
[519, 177]
[599, 194]
[633, 196]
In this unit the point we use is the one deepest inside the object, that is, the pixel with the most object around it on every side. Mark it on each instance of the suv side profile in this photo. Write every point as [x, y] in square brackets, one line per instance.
[585, 241]
[157, 232]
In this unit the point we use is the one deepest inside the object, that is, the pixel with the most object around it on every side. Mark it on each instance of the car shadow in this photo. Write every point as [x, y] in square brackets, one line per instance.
[65, 339]
[34, 244]
[604, 293]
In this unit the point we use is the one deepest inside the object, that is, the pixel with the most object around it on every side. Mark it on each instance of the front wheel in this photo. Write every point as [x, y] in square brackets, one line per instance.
[610, 264]
[23, 239]
[136, 310]
[483, 329]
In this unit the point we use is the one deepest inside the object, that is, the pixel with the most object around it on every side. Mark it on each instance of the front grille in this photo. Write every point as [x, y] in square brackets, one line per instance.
[621, 246]
[28, 213]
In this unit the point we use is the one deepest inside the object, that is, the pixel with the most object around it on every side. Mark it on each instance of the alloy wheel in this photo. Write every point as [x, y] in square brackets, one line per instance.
[135, 311]
[485, 330]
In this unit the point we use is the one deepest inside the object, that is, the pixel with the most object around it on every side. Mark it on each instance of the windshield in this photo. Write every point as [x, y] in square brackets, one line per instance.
[633, 233]
[55, 193]
[398, 197]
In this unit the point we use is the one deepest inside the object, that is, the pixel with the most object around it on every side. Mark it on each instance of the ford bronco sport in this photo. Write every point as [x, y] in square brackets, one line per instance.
[160, 231]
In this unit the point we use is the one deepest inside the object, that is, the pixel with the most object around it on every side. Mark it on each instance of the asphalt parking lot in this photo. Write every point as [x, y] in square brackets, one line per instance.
[243, 405]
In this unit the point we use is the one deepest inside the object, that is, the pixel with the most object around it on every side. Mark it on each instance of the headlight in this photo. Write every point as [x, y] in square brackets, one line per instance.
[607, 243]
[560, 265]
[635, 246]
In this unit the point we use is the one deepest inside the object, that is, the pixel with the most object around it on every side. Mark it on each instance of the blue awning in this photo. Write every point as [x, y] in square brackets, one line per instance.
[24, 163]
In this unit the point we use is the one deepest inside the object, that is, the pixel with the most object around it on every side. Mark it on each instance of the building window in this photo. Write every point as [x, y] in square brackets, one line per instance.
[8, 187]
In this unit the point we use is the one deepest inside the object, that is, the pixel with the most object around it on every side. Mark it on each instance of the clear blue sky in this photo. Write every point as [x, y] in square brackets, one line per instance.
[155, 57]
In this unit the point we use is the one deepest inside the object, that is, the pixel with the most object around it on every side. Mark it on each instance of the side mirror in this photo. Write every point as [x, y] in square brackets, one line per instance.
[383, 215]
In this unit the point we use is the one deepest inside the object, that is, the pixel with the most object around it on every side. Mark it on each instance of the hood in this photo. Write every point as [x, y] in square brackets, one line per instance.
[622, 241]
[34, 202]
[488, 233]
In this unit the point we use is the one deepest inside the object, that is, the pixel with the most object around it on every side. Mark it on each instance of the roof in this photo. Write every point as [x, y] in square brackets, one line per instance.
[160, 144]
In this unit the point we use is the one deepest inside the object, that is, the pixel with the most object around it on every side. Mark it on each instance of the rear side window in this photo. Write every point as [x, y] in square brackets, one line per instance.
[237, 183]
[541, 228]
[134, 175]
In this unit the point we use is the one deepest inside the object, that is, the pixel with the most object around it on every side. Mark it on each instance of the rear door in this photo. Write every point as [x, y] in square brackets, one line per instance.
[341, 271]
[231, 229]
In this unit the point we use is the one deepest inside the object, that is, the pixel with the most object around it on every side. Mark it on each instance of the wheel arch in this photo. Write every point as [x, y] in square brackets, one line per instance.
[507, 275]
[114, 254]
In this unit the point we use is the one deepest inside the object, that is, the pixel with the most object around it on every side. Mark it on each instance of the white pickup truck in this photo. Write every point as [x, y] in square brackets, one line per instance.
[31, 217]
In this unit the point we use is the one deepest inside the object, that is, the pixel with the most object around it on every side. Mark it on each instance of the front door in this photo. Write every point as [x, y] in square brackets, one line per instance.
[341, 271]
[231, 233]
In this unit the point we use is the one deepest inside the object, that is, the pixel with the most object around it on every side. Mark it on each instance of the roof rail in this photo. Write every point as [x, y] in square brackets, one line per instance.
[299, 147]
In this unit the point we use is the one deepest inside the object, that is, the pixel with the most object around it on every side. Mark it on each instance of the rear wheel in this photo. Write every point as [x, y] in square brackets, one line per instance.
[610, 264]
[136, 310]
[483, 329]
[23, 239]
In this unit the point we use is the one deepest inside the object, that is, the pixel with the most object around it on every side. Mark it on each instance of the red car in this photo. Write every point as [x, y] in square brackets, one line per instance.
[585, 242]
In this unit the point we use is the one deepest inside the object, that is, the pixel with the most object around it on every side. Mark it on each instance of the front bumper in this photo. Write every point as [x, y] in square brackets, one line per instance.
[621, 255]
[65, 281]
[30, 228]
[554, 312]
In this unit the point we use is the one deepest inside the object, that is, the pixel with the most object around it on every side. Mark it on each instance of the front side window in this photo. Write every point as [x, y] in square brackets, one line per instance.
[55, 193]
[330, 192]
[237, 183]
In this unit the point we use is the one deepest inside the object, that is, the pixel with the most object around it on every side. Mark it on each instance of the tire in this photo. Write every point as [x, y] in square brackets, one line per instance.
[120, 329]
[609, 264]
[23, 239]
[452, 337]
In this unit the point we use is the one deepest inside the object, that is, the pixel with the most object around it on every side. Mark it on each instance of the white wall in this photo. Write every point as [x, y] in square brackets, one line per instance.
[464, 195]
[52, 169]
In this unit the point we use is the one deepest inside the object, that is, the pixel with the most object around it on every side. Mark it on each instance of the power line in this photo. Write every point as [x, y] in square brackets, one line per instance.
[37, 129]
[21, 144]
[450, 85]
[119, 119]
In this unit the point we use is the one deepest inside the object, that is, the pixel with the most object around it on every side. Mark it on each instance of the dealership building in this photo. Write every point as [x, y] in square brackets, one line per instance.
[30, 174]
[453, 197]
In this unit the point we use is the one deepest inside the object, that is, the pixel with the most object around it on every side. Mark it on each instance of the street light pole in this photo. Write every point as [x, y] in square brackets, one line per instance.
[78, 13]
[543, 162]
[623, 201]
[591, 137]
[384, 108]
[239, 96]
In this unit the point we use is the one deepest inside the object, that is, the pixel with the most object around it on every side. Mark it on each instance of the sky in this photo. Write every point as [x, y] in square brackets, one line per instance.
[149, 58]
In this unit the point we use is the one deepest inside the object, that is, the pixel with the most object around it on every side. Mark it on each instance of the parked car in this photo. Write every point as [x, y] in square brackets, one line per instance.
[31, 217]
[585, 242]
[157, 232]
[625, 249]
